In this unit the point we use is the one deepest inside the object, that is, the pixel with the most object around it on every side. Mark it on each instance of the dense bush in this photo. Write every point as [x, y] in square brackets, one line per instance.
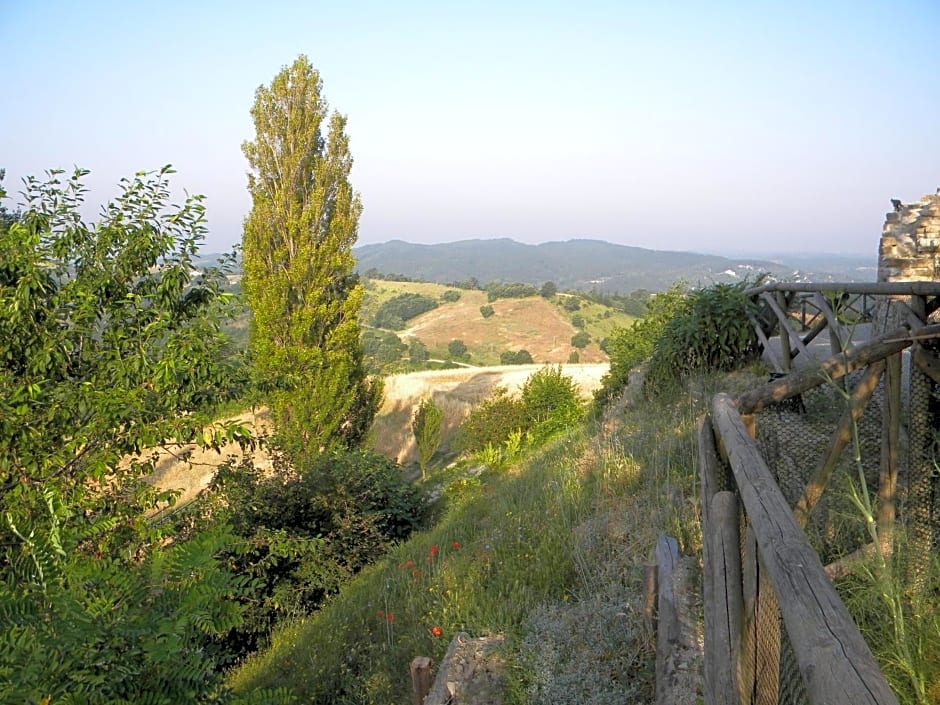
[457, 349]
[548, 290]
[628, 347]
[302, 533]
[513, 290]
[450, 296]
[486, 311]
[548, 403]
[401, 308]
[551, 401]
[580, 340]
[515, 357]
[417, 351]
[711, 332]
[571, 303]
[491, 422]
[381, 348]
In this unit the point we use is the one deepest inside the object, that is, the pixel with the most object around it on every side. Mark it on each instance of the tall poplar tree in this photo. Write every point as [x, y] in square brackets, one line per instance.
[298, 264]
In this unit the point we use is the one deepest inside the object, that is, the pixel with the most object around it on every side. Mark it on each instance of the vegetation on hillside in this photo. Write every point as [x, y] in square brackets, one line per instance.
[110, 342]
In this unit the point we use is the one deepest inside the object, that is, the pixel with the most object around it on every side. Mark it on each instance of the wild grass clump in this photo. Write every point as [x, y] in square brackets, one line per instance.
[547, 552]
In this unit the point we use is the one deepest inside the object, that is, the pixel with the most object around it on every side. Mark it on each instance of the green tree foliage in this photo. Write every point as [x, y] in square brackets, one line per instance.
[574, 358]
[515, 357]
[427, 424]
[298, 264]
[457, 349]
[306, 530]
[110, 342]
[629, 347]
[552, 402]
[572, 303]
[450, 296]
[397, 310]
[418, 351]
[710, 332]
[581, 340]
[548, 290]
[381, 349]
[577, 320]
[486, 311]
[512, 290]
[491, 422]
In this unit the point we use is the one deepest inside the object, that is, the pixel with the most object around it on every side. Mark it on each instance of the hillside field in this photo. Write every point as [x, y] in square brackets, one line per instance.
[543, 327]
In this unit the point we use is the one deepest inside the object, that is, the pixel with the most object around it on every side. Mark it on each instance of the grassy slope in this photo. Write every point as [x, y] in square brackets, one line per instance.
[542, 327]
[549, 552]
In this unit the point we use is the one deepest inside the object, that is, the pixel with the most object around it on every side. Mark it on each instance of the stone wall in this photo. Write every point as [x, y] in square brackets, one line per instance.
[910, 242]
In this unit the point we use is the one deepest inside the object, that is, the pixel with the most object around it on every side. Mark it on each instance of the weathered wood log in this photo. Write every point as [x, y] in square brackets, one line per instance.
[836, 663]
[443, 689]
[836, 334]
[420, 678]
[785, 329]
[836, 367]
[667, 615]
[765, 342]
[841, 437]
[886, 288]
[724, 611]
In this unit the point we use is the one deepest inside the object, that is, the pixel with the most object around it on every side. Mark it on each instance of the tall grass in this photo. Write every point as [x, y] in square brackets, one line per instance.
[548, 552]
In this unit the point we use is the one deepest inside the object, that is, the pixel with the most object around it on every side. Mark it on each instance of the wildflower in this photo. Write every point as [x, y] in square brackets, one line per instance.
[433, 551]
[390, 617]
[436, 631]
[410, 564]
[456, 544]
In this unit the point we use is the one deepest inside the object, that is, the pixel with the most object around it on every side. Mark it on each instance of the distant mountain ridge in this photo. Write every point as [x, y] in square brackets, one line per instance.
[591, 264]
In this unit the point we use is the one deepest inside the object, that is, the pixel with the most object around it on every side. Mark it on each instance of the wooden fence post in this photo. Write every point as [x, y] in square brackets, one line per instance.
[420, 678]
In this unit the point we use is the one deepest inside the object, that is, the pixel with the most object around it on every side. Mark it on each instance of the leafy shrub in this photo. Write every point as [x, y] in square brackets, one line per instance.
[427, 426]
[581, 340]
[574, 358]
[418, 351]
[517, 357]
[457, 349]
[491, 422]
[711, 332]
[514, 290]
[450, 296]
[571, 303]
[628, 347]
[548, 290]
[486, 311]
[382, 348]
[401, 308]
[302, 533]
[577, 320]
[552, 402]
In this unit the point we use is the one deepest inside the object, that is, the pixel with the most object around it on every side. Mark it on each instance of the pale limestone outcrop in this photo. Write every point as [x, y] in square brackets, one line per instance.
[910, 242]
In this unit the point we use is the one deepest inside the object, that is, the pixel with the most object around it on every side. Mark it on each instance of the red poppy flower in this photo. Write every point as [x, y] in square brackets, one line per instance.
[456, 544]
[437, 631]
[434, 550]
[390, 617]
[410, 564]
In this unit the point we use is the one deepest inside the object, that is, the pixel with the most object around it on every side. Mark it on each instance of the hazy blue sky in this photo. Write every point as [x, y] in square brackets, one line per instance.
[707, 126]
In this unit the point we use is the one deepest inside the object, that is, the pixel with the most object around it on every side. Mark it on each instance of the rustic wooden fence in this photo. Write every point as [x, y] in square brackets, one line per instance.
[769, 600]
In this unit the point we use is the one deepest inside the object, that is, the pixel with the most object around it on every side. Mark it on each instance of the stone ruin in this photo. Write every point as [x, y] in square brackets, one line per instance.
[910, 242]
